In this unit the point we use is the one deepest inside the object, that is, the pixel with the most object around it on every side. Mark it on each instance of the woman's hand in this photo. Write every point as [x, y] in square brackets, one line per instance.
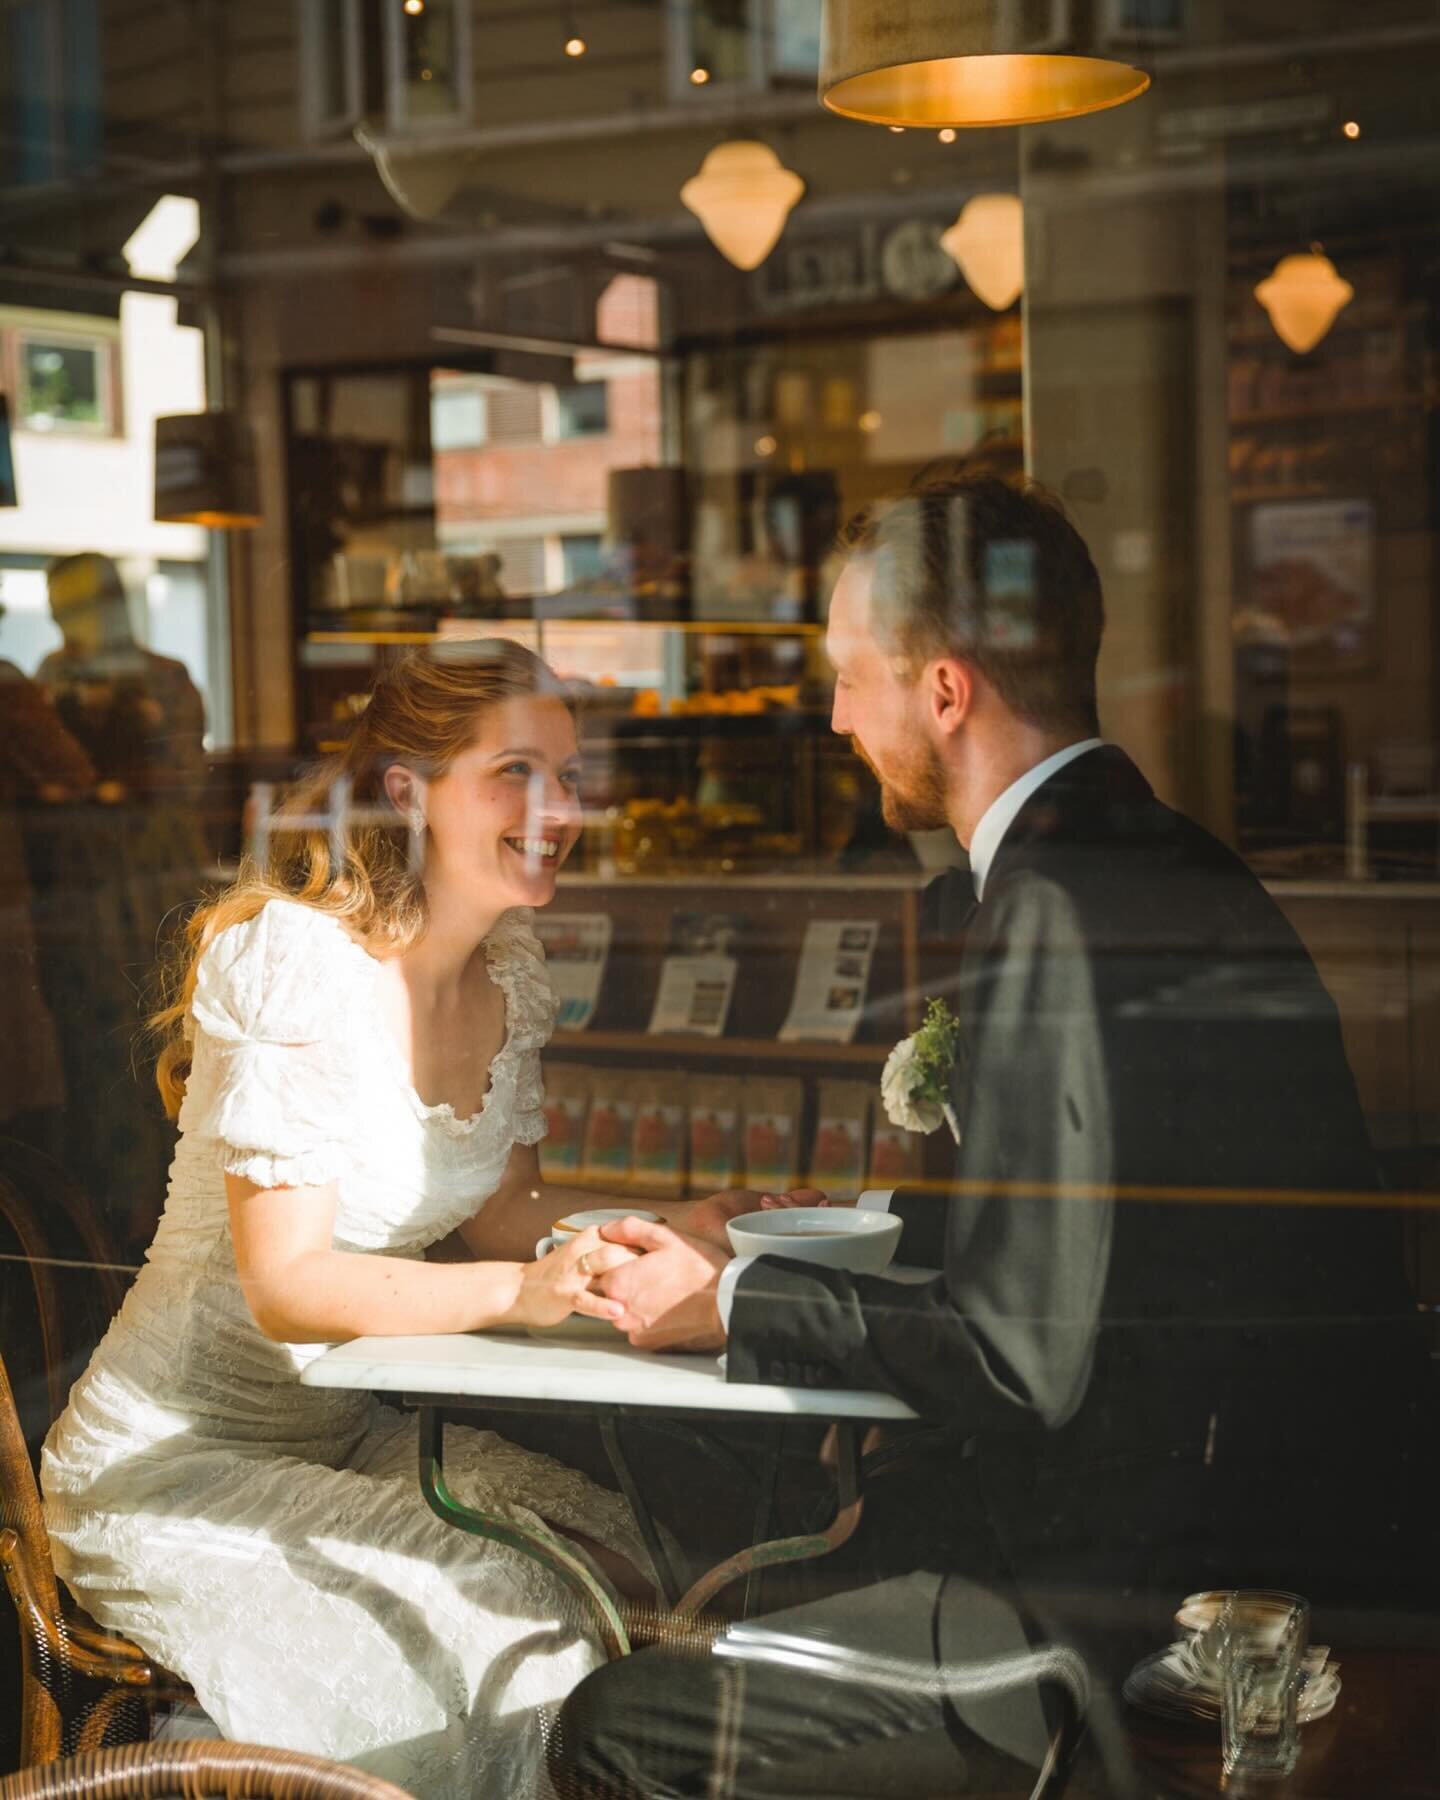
[558, 1284]
[707, 1219]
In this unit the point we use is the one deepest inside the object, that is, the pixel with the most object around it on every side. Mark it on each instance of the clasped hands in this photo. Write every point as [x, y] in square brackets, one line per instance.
[668, 1292]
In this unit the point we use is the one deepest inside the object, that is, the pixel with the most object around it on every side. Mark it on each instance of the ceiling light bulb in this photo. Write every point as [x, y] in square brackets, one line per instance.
[988, 242]
[765, 446]
[742, 195]
[947, 136]
[1302, 296]
[1351, 128]
[699, 76]
[414, 8]
[575, 46]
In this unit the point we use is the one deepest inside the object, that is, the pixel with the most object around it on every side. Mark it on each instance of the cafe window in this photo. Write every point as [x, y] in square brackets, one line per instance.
[582, 410]
[457, 415]
[332, 65]
[584, 558]
[405, 69]
[65, 383]
[741, 44]
[51, 107]
[427, 55]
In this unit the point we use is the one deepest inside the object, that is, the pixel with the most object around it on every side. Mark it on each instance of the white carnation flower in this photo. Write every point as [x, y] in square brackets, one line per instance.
[898, 1082]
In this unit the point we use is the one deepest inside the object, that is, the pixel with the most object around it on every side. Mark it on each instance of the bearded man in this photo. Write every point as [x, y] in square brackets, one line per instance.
[1169, 1345]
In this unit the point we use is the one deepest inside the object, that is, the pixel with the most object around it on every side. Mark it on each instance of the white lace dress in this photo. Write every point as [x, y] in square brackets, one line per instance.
[268, 1541]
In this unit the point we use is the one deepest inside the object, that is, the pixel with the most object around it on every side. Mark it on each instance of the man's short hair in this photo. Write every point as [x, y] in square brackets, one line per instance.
[988, 568]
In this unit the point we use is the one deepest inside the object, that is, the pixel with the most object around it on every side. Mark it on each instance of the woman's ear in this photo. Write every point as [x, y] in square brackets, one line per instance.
[951, 693]
[403, 789]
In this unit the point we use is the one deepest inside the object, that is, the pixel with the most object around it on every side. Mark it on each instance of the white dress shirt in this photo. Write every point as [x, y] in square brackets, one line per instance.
[987, 838]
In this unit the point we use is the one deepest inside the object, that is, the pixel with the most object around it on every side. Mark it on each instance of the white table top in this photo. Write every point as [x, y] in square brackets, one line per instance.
[599, 1367]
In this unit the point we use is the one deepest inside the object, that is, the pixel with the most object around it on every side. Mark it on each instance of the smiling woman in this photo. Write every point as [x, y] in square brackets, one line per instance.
[353, 1053]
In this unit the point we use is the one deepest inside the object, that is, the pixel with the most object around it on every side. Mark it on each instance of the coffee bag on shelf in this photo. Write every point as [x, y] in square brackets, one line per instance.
[842, 1128]
[772, 1106]
[715, 1106]
[567, 1102]
[609, 1131]
[657, 1141]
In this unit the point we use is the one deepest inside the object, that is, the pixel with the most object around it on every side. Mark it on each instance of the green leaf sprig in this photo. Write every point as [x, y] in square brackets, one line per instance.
[935, 1045]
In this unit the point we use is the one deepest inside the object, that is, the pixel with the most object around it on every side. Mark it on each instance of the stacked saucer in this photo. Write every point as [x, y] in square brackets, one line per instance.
[1182, 1681]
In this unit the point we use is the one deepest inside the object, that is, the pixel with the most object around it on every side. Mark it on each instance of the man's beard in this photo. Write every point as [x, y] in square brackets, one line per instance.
[912, 789]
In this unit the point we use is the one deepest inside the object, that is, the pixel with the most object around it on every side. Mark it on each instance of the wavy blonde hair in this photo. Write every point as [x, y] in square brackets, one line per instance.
[422, 712]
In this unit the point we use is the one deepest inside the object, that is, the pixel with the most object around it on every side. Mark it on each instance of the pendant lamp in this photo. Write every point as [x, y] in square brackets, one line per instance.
[972, 62]
[1302, 296]
[9, 493]
[742, 195]
[205, 471]
[988, 242]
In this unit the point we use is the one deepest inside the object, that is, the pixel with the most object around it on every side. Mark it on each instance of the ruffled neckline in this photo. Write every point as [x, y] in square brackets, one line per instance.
[502, 958]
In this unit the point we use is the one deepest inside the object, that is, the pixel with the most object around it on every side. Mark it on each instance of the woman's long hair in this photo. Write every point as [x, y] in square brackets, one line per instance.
[422, 713]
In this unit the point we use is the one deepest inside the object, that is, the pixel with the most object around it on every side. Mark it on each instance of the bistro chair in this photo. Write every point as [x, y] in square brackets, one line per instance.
[75, 1678]
[194, 1769]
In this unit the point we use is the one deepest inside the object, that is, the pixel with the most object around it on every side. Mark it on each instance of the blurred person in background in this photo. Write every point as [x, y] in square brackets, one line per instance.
[111, 879]
[41, 764]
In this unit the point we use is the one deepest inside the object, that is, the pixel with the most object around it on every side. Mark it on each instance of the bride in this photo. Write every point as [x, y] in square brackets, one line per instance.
[353, 1055]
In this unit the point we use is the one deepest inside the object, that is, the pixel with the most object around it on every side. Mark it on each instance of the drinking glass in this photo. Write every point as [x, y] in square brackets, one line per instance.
[1262, 1637]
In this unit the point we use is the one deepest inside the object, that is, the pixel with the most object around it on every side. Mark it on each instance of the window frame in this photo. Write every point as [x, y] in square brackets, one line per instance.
[313, 46]
[397, 121]
[110, 424]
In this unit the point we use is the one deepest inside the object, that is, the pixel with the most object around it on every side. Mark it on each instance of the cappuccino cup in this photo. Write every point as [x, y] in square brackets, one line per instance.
[574, 1223]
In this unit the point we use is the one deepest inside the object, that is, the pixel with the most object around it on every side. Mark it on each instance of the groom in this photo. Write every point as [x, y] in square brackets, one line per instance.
[1169, 1346]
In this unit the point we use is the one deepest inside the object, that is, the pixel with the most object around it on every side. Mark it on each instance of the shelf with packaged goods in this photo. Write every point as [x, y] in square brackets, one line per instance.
[670, 1046]
[449, 630]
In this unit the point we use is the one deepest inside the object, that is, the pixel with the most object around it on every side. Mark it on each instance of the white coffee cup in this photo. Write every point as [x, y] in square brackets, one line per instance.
[576, 1222]
[837, 1237]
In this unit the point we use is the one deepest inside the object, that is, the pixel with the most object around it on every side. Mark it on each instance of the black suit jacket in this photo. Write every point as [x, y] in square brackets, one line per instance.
[1161, 1369]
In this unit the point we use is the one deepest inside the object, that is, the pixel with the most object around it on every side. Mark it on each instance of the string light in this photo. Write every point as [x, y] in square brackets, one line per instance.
[575, 46]
[766, 445]
[414, 8]
[699, 75]
[947, 136]
[1351, 129]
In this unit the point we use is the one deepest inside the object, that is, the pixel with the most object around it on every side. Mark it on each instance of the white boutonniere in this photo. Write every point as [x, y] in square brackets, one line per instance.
[915, 1082]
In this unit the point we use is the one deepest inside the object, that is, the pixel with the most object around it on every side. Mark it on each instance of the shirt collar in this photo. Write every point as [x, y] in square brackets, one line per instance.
[999, 816]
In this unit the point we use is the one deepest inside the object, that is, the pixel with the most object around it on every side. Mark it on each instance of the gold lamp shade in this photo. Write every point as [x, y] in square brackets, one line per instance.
[1302, 296]
[942, 63]
[205, 471]
[742, 196]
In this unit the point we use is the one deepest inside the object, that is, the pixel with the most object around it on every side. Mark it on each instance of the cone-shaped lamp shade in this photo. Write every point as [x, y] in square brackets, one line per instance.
[9, 493]
[742, 196]
[988, 242]
[205, 471]
[1302, 296]
[964, 62]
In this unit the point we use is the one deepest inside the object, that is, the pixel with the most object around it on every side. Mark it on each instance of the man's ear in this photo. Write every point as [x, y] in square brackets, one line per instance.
[950, 686]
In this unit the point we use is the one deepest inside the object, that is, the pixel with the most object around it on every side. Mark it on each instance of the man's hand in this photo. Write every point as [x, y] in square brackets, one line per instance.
[708, 1218]
[668, 1295]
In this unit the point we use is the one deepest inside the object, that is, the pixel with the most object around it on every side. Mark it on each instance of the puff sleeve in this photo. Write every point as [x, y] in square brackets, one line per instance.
[273, 1074]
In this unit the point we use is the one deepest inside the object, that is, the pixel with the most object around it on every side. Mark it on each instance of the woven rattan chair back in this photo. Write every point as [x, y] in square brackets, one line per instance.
[74, 1676]
[195, 1769]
